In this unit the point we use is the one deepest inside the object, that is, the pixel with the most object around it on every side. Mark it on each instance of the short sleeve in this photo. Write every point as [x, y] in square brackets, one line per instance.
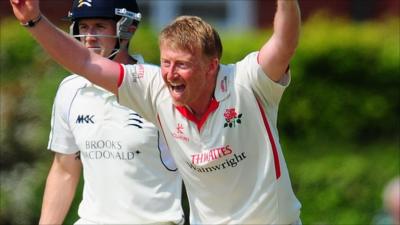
[250, 73]
[61, 138]
[139, 88]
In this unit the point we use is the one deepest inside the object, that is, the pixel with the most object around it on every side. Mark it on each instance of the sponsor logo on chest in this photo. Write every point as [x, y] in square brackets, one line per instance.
[85, 119]
[224, 155]
[107, 150]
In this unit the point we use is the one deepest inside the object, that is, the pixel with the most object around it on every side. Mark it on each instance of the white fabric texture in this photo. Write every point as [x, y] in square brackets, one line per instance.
[233, 168]
[129, 175]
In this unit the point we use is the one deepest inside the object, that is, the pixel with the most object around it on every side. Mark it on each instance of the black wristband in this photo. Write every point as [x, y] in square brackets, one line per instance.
[32, 23]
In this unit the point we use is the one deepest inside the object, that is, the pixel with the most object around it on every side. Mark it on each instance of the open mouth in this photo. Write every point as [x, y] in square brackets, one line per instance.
[93, 48]
[177, 88]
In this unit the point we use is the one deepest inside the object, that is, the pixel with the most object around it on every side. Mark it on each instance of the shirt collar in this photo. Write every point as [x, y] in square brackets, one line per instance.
[222, 87]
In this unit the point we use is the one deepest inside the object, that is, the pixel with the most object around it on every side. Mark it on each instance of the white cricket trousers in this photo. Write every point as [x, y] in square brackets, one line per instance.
[87, 222]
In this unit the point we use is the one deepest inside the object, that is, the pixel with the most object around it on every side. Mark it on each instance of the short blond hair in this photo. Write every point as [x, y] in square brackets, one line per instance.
[192, 33]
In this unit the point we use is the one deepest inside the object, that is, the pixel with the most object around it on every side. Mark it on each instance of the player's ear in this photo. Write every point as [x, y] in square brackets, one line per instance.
[214, 65]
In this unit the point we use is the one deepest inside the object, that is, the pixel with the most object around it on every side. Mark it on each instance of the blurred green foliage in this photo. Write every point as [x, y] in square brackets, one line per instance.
[345, 82]
[338, 120]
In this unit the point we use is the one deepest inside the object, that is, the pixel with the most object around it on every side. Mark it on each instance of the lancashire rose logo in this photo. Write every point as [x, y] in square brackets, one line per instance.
[232, 118]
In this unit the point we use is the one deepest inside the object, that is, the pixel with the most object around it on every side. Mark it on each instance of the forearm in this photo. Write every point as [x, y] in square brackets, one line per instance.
[276, 54]
[56, 204]
[65, 50]
[287, 25]
[59, 192]
[72, 55]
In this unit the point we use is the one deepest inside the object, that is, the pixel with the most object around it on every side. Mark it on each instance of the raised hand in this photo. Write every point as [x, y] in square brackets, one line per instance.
[25, 10]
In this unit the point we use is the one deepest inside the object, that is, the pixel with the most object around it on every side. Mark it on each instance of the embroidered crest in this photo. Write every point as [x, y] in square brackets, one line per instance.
[87, 3]
[179, 133]
[179, 129]
[232, 118]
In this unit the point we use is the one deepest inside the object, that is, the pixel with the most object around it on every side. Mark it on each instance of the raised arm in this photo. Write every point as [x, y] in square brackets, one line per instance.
[275, 55]
[64, 49]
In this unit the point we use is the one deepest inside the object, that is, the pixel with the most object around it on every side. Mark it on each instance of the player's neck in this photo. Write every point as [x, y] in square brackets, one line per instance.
[201, 106]
[123, 57]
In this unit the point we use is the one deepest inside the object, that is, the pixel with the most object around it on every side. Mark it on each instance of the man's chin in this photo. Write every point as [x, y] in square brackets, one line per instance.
[177, 103]
[176, 98]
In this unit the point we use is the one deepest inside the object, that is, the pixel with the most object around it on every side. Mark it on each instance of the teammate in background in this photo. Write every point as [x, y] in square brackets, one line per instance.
[219, 120]
[390, 213]
[391, 199]
[129, 176]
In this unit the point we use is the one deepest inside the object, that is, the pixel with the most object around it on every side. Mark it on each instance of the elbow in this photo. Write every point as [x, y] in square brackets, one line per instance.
[292, 50]
[291, 39]
[288, 48]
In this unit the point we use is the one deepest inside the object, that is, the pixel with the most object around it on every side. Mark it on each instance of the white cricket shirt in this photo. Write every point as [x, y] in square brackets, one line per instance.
[129, 175]
[230, 160]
